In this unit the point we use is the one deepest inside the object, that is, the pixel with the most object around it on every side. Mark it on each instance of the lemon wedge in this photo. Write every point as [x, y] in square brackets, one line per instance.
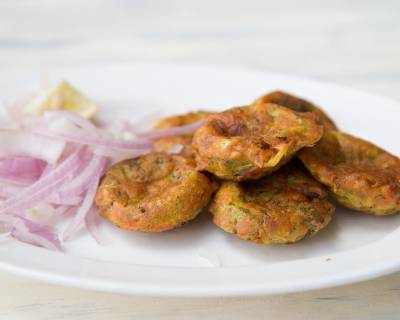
[62, 97]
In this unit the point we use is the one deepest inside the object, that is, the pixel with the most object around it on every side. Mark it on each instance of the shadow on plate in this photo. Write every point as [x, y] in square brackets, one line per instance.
[191, 234]
[347, 230]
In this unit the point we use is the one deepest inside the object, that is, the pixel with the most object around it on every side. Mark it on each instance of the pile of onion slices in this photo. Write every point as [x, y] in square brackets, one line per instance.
[50, 168]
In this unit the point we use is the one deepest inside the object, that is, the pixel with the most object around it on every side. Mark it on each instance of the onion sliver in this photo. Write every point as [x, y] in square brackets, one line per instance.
[34, 233]
[66, 201]
[91, 223]
[168, 132]
[42, 213]
[84, 139]
[9, 190]
[83, 210]
[118, 155]
[54, 163]
[42, 188]
[21, 170]
[31, 232]
[47, 169]
[20, 143]
[81, 182]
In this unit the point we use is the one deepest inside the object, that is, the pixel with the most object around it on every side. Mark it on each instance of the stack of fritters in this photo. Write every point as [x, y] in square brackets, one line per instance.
[262, 170]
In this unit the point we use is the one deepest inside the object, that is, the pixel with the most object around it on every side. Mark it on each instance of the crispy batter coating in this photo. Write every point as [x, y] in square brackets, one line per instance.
[360, 175]
[153, 193]
[284, 207]
[246, 143]
[168, 143]
[297, 104]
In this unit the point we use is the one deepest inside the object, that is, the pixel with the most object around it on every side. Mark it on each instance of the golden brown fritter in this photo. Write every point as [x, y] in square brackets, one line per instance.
[297, 104]
[246, 143]
[153, 193]
[168, 143]
[284, 207]
[360, 175]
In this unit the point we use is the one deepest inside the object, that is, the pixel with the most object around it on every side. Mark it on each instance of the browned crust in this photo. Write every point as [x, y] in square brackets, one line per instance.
[360, 175]
[284, 207]
[246, 143]
[153, 193]
[297, 104]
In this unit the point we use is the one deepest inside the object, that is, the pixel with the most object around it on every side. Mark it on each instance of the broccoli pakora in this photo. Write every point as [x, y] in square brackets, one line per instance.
[284, 207]
[360, 175]
[153, 193]
[246, 143]
[297, 104]
[168, 143]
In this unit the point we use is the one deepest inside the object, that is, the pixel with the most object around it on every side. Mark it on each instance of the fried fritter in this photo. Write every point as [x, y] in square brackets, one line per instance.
[153, 193]
[284, 207]
[246, 143]
[360, 175]
[168, 143]
[297, 104]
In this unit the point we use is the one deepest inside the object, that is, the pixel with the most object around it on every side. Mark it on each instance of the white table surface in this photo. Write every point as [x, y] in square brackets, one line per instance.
[354, 43]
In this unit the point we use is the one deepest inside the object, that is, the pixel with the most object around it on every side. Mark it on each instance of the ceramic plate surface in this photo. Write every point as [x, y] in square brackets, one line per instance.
[200, 259]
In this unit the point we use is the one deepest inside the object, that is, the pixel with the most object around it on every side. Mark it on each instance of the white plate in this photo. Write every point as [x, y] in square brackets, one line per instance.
[200, 259]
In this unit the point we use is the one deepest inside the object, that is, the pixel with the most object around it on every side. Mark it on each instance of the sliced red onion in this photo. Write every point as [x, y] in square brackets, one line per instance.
[49, 167]
[15, 165]
[91, 223]
[70, 211]
[67, 201]
[21, 170]
[9, 190]
[168, 132]
[31, 232]
[17, 202]
[65, 210]
[118, 155]
[120, 126]
[55, 178]
[30, 145]
[42, 213]
[83, 139]
[143, 122]
[47, 214]
[40, 190]
[61, 128]
[7, 219]
[16, 181]
[117, 128]
[83, 210]
[81, 182]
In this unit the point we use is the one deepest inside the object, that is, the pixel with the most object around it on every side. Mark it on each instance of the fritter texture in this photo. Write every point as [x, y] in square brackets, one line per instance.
[168, 143]
[153, 193]
[246, 143]
[284, 207]
[297, 104]
[360, 175]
